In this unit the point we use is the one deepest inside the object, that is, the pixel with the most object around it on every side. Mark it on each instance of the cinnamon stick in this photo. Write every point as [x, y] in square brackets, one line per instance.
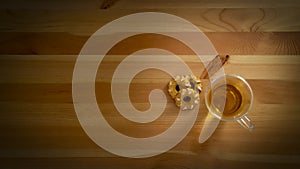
[107, 4]
[214, 66]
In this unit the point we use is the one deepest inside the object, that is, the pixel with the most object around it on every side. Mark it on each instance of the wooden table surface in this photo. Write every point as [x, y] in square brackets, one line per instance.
[40, 42]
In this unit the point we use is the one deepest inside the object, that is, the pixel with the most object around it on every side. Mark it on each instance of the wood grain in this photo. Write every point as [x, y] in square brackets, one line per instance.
[145, 4]
[39, 69]
[231, 43]
[40, 42]
[86, 22]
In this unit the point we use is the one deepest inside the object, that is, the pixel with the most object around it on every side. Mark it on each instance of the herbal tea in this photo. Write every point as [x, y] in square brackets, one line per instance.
[233, 101]
[229, 98]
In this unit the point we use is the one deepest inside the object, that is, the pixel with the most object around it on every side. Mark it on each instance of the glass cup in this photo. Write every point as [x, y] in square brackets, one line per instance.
[229, 98]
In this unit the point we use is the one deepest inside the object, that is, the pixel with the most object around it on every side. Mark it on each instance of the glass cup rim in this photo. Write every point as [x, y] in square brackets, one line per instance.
[214, 80]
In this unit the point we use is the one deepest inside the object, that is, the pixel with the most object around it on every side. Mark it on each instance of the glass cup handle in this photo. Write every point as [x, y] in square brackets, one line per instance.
[246, 123]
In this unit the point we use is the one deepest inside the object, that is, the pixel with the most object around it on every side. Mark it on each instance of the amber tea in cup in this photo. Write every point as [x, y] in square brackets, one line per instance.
[230, 98]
